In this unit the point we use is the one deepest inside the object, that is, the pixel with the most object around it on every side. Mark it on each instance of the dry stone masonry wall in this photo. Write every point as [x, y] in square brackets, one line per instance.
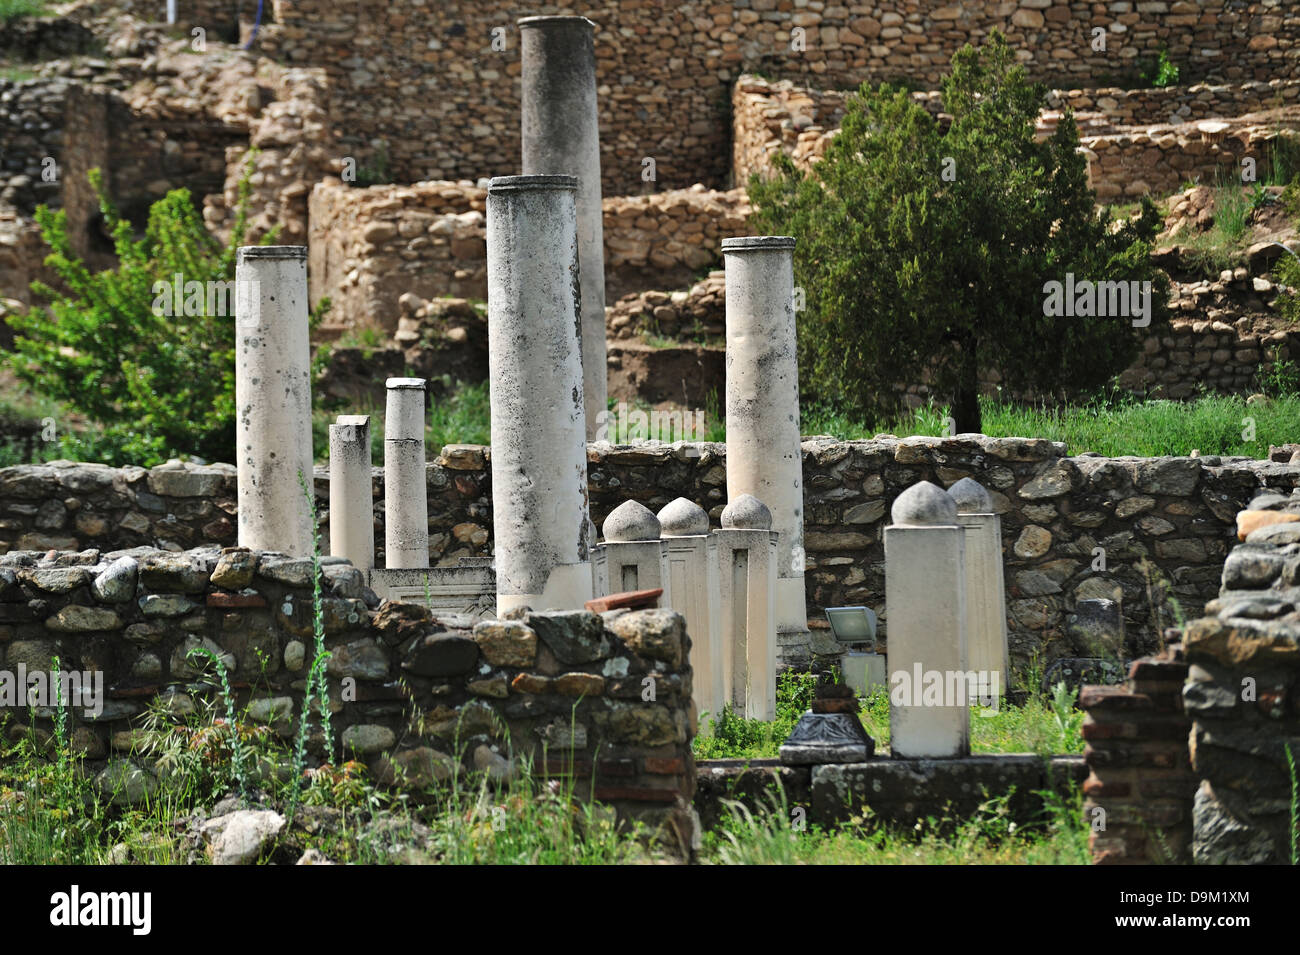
[1059, 515]
[404, 74]
[1193, 760]
[370, 246]
[562, 693]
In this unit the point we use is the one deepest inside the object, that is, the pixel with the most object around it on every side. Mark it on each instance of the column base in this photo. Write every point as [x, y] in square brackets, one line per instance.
[568, 588]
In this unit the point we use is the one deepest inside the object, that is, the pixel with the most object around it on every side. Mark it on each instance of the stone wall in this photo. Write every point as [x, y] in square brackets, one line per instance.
[1243, 695]
[370, 246]
[426, 80]
[1057, 512]
[32, 116]
[1139, 142]
[410, 695]
[1192, 761]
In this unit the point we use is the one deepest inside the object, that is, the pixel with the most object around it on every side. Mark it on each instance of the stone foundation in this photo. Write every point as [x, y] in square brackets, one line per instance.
[562, 694]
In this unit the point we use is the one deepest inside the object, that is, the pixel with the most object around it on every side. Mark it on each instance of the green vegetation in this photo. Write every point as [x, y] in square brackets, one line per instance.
[989, 837]
[924, 254]
[1047, 725]
[1211, 424]
[1164, 72]
[153, 383]
[13, 9]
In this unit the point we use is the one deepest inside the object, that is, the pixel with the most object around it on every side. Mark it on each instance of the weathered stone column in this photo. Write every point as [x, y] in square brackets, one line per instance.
[764, 456]
[539, 450]
[352, 504]
[406, 502]
[986, 600]
[273, 398]
[745, 550]
[692, 572]
[925, 599]
[561, 137]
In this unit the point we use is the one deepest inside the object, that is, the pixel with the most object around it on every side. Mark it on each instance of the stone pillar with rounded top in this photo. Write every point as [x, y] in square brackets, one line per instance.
[925, 604]
[764, 453]
[692, 573]
[406, 495]
[630, 556]
[746, 553]
[273, 399]
[539, 450]
[986, 600]
[352, 504]
[561, 136]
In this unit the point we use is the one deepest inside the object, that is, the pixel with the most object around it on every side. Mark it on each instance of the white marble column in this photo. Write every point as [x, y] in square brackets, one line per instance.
[764, 454]
[406, 500]
[561, 136]
[541, 529]
[925, 604]
[273, 398]
[352, 504]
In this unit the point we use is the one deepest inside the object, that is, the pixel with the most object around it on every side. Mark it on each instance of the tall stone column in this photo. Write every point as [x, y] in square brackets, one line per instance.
[925, 597]
[273, 398]
[406, 501]
[541, 529]
[561, 136]
[352, 504]
[764, 456]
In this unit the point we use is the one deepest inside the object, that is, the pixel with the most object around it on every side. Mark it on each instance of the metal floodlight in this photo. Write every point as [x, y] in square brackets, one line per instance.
[853, 624]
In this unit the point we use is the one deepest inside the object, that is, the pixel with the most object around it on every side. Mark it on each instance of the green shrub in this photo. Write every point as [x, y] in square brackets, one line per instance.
[1164, 72]
[923, 254]
[13, 9]
[156, 385]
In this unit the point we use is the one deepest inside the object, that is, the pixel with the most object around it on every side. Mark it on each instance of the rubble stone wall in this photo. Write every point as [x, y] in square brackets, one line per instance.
[410, 695]
[1074, 528]
[1195, 760]
[427, 80]
[370, 246]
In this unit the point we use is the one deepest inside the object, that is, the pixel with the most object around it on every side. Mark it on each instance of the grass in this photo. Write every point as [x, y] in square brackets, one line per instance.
[773, 835]
[1048, 725]
[1211, 424]
[13, 9]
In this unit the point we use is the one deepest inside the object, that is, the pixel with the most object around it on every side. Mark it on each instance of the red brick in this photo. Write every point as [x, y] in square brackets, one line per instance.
[616, 767]
[630, 600]
[1091, 729]
[1104, 788]
[664, 767]
[1149, 669]
[1112, 698]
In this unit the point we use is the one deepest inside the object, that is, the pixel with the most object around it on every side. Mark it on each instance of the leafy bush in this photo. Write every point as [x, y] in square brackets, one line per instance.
[158, 385]
[1164, 72]
[923, 254]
